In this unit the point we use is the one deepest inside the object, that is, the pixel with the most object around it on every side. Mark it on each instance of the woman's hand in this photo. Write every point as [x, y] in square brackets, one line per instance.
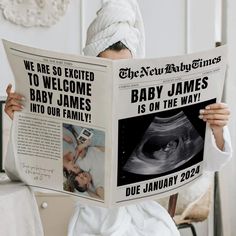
[67, 138]
[81, 149]
[217, 116]
[13, 102]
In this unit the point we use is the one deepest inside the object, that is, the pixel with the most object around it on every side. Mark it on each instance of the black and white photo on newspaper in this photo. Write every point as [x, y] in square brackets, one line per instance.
[112, 132]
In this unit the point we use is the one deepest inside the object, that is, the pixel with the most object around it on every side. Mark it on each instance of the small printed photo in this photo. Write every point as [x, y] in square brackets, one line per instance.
[159, 144]
[83, 161]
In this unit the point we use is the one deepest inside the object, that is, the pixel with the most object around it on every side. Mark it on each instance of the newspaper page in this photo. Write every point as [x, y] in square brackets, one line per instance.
[159, 137]
[61, 140]
[112, 132]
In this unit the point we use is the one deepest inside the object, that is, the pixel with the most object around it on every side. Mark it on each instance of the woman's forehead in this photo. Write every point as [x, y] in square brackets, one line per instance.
[116, 55]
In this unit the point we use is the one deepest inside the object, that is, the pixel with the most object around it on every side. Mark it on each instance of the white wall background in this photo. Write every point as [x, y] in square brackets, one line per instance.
[165, 27]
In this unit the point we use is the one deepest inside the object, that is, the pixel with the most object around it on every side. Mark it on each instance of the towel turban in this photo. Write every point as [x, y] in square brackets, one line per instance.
[117, 20]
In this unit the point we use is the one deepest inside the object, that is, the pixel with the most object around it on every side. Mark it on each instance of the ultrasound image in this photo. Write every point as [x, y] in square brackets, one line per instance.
[167, 144]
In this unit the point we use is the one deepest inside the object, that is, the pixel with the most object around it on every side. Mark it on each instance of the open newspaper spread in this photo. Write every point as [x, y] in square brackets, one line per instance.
[112, 132]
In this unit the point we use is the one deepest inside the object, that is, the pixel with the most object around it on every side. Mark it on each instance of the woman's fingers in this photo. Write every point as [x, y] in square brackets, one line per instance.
[8, 90]
[214, 117]
[224, 111]
[13, 102]
[215, 114]
[12, 109]
[219, 105]
[15, 96]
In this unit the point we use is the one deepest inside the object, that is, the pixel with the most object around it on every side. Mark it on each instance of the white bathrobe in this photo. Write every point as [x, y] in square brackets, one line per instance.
[143, 219]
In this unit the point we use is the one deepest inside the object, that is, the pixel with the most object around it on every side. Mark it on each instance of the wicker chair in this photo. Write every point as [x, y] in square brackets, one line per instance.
[196, 211]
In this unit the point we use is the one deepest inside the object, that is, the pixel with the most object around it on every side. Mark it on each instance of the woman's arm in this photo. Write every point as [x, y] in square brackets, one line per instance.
[217, 116]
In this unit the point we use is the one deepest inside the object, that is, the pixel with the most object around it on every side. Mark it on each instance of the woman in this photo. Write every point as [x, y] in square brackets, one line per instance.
[117, 33]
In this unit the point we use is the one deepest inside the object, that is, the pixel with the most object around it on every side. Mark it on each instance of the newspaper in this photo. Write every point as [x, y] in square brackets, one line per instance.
[112, 132]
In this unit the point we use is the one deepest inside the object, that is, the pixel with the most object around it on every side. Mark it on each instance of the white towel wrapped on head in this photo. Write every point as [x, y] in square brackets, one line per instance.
[117, 20]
